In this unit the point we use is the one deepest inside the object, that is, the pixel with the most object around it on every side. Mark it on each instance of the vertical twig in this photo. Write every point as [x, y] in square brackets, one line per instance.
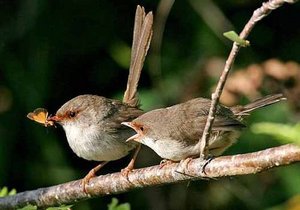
[258, 14]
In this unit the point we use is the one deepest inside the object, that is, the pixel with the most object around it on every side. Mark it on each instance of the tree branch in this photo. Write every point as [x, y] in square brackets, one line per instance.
[258, 14]
[116, 183]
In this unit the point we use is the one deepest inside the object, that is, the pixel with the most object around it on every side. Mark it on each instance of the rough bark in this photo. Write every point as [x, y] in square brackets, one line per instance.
[116, 183]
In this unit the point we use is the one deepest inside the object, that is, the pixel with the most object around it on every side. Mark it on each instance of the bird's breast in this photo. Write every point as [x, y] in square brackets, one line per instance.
[171, 149]
[91, 143]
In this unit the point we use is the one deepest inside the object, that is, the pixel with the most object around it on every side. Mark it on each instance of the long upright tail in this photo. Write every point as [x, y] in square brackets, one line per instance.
[142, 35]
[259, 103]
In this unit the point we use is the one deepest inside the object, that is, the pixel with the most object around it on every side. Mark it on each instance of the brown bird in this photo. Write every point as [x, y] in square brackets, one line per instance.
[93, 123]
[174, 132]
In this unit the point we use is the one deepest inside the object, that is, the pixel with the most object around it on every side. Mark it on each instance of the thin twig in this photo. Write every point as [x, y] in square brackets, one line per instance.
[116, 183]
[258, 14]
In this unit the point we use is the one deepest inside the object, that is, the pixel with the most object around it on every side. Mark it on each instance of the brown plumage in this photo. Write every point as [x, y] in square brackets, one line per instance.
[93, 123]
[174, 132]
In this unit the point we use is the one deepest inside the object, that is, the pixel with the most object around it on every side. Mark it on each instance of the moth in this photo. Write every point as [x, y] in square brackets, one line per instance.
[40, 115]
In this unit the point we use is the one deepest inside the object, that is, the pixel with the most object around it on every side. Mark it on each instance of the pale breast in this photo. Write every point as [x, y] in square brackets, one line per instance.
[90, 144]
[171, 149]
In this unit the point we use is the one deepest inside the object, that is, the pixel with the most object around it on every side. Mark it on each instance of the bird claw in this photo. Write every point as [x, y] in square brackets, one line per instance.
[91, 174]
[207, 161]
[165, 162]
[87, 178]
[125, 171]
[184, 163]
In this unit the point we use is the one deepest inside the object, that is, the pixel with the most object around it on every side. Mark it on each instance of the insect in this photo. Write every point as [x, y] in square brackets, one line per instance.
[40, 115]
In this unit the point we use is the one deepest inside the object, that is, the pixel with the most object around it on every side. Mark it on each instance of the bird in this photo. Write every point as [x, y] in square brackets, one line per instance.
[92, 123]
[174, 132]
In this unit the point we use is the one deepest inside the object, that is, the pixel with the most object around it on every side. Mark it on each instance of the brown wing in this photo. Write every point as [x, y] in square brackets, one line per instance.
[120, 112]
[191, 118]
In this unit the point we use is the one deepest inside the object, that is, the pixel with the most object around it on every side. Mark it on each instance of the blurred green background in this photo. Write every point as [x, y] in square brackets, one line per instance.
[52, 51]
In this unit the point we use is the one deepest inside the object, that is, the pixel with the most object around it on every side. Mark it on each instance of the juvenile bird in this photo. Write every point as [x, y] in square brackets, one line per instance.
[174, 132]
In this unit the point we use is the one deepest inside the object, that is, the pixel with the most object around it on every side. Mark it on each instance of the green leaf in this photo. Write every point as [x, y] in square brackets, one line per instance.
[68, 207]
[12, 192]
[114, 205]
[3, 192]
[282, 132]
[233, 36]
[28, 207]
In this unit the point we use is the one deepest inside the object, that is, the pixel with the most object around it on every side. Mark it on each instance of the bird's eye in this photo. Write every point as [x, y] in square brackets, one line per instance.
[142, 128]
[72, 114]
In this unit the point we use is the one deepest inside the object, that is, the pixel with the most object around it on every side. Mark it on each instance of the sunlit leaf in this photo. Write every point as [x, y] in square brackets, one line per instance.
[68, 207]
[233, 36]
[3, 192]
[284, 133]
[114, 205]
[28, 207]
[12, 192]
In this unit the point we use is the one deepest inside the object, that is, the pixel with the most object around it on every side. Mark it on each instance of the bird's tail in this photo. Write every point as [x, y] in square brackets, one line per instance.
[259, 103]
[141, 41]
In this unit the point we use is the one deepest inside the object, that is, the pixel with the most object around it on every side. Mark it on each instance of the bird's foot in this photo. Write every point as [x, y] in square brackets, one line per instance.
[90, 175]
[164, 163]
[206, 162]
[125, 171]
[87, 178]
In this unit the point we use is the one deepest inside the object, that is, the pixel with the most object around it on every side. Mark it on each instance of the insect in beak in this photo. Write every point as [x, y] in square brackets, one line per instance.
[40, 115]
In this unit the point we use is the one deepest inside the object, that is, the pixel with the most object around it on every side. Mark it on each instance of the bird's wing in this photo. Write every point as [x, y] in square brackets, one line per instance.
[189, 126]
[120, 112]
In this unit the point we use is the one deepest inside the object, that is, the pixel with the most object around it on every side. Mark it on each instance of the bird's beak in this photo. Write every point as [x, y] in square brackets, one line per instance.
[54, 118]
[134, 137]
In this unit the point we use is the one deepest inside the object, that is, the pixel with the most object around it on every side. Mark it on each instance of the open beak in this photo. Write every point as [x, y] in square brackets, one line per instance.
[134, 137]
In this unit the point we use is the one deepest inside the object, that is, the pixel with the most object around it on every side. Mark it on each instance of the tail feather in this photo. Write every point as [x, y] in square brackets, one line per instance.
[141, 41]
[259, 103]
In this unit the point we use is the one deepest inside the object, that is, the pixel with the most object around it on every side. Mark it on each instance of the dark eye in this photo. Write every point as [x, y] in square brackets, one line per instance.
[72, 114]
[142, 128]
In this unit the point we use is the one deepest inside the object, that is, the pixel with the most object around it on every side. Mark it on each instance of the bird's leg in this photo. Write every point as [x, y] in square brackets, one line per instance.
[91, 174]
[125, 171]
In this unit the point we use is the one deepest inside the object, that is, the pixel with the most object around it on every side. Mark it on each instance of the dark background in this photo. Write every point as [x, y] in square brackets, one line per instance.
[52, 51]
